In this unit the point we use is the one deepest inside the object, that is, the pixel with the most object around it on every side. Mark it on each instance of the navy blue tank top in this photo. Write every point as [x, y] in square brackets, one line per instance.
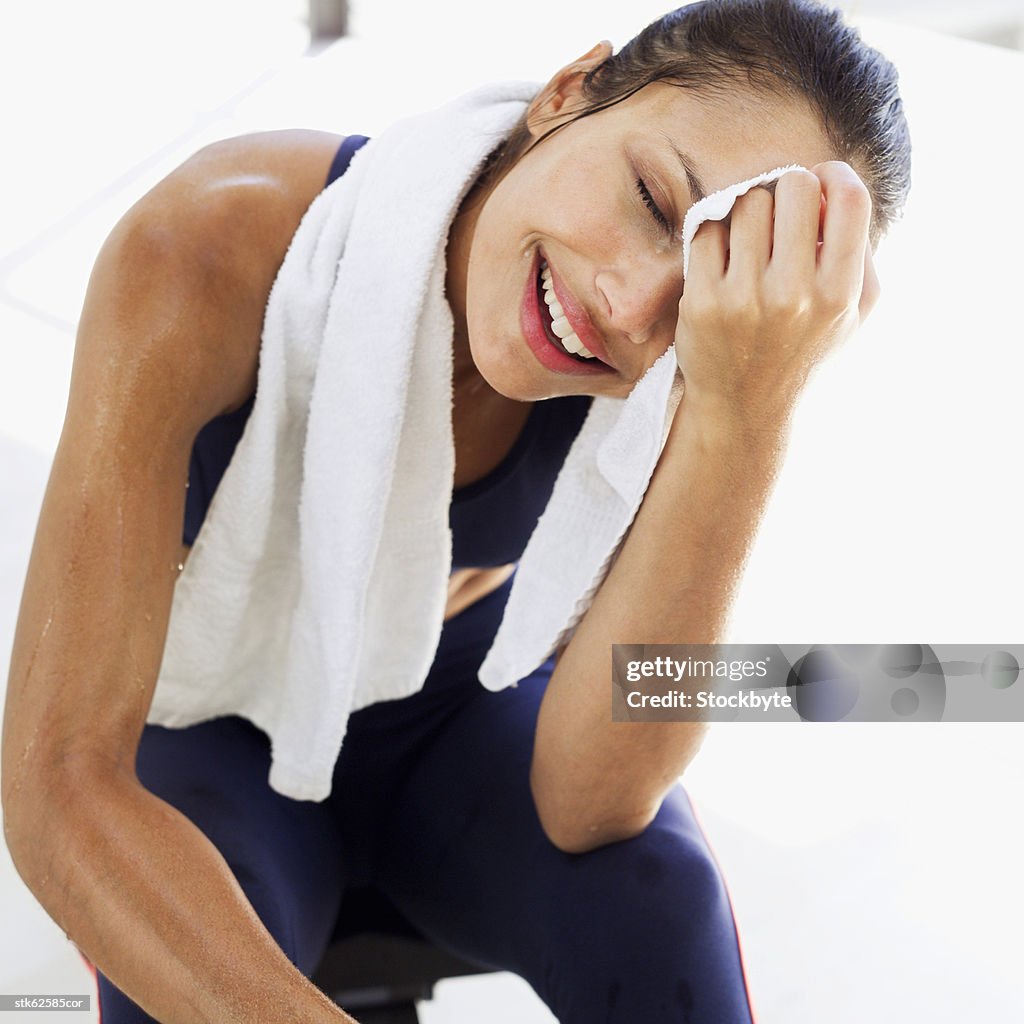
[491, 520]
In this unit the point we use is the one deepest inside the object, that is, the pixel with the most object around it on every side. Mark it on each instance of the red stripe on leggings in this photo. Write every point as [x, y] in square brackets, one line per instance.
[728, 896]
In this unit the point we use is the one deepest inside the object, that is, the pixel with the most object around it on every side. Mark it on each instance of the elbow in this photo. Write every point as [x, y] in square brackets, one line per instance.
[573, 829]
[28, 818]
[38, 819]
[22, 837]
[583, 837]
[16, 807]
[43, 858]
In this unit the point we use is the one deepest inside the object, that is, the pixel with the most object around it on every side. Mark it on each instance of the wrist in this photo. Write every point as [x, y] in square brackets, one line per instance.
[722, 421]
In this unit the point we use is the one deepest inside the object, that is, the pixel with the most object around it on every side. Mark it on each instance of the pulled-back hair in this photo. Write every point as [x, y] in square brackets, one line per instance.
[787, 48]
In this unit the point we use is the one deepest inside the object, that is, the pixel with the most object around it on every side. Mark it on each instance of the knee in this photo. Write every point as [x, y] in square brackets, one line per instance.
[652, 935]
[667, 877]
[663, 881]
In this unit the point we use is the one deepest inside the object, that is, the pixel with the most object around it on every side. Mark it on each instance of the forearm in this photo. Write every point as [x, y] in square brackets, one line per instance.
[595, 780]
[151, 902]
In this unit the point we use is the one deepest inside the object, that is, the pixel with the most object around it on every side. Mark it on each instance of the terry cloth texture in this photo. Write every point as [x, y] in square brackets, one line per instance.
[317, 584]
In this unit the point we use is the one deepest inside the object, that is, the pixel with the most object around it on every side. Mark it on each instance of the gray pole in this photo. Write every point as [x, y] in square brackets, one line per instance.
[328, 19]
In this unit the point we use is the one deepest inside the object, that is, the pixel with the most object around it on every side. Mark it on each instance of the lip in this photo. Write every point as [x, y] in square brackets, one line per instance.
[579, 319]
[547, 354]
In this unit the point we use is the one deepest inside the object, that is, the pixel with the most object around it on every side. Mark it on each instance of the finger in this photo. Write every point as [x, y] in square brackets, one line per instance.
[798, 202]
[845, 232]
[750, 234]
[872, 287]
[709, 252]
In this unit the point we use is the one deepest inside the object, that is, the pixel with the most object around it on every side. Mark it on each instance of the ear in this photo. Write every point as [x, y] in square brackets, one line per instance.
[563, 95]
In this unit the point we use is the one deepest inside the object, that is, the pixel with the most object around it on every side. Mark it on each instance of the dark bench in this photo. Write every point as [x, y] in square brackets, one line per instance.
[378, 965]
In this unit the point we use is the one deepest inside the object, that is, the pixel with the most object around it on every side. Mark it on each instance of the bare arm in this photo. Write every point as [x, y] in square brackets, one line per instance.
[168, 339]
[747, 341]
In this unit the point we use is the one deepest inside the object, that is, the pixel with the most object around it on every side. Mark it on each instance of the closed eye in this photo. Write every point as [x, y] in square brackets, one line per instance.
[648, 200]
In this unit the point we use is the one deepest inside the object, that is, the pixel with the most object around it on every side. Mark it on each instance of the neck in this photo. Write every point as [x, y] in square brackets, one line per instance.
[457, 256]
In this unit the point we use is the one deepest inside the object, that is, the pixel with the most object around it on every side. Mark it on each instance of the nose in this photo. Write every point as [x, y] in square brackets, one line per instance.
[641, 295]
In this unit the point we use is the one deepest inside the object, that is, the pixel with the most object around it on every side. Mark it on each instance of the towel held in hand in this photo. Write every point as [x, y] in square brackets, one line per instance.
[318, 582]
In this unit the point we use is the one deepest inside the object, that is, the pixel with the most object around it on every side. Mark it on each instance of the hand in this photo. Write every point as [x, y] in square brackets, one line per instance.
[772, 290]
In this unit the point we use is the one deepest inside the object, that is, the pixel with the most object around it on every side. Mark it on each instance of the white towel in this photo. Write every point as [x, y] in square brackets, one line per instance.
[317, 584]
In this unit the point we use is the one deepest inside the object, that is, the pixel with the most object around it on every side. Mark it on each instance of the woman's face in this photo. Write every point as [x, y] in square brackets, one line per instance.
[601, 205]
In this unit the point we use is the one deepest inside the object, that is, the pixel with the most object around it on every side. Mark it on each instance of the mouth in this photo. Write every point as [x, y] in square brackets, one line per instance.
[550, 328]
[556, 324]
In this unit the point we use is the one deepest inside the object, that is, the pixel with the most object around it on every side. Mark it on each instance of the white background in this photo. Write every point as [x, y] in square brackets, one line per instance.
[875, 870]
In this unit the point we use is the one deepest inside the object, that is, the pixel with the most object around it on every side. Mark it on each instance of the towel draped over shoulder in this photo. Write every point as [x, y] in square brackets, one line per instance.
[317, 584]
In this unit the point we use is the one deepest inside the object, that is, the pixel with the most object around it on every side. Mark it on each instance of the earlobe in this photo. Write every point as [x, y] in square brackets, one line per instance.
[562, 96]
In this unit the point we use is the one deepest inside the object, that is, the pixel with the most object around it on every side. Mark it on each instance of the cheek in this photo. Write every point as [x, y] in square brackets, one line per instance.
[491, 276]
[585, 189]
[492, 316]
[496, 343]
[562, 200]
[495, 253]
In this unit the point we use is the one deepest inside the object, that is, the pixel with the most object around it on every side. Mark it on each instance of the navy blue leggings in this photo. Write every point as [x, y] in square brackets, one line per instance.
[431, 805]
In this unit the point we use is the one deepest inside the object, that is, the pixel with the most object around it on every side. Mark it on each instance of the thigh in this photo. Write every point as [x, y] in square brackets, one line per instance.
[286, 854]
[635, 930]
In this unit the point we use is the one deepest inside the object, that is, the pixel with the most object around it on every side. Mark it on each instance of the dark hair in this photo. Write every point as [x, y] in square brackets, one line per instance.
[790, 48]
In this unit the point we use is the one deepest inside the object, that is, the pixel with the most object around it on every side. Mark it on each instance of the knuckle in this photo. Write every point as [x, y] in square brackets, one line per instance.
[710, 229]
[835, 169]
[833, 300]
[853, 192]
[705, 238]
[843, 180]
[740, 303]
[759, 196]
[799, 182]
[698, 304]
[779, 303]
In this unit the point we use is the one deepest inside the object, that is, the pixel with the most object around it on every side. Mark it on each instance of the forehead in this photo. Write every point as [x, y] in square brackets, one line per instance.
[729, 136]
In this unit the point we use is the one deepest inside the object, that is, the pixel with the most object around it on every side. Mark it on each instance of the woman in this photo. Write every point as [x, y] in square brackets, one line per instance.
[520, 828]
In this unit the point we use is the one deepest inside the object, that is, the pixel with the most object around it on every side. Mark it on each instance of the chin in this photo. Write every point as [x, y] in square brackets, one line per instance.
[514, 387]
[505, 374]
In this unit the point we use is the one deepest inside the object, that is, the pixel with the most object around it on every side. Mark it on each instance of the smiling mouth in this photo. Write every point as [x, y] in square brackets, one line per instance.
[556, 326]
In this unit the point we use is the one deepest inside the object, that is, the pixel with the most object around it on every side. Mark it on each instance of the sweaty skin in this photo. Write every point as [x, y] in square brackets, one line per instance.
[169, 339]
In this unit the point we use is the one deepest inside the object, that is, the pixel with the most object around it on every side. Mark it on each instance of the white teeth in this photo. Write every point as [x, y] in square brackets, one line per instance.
[560, 325]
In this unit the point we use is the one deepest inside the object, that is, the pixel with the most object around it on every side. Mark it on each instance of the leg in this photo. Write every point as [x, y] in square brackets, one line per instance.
[640, 930]
[286, 854]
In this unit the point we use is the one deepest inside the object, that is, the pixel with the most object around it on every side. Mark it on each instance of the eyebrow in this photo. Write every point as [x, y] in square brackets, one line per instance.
[697, 188]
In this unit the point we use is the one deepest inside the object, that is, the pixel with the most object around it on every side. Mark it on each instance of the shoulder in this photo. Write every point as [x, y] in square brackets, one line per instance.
[190, 266]
[237, 202]
[289, 165]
